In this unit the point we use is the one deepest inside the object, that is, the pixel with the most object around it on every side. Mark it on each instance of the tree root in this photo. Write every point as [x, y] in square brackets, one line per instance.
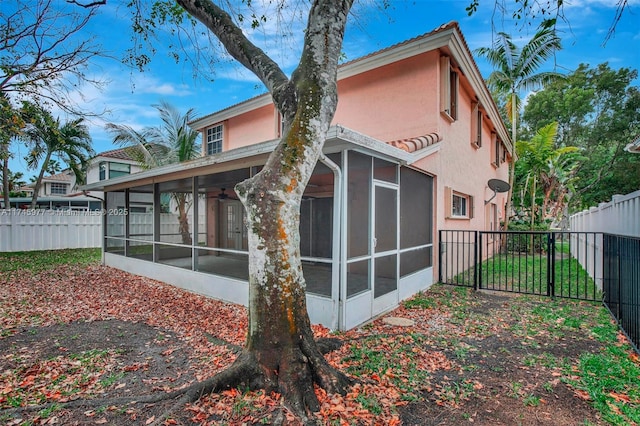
[298, 372]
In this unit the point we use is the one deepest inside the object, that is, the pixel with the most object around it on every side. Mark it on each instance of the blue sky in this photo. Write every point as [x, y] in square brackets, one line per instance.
[129, 95]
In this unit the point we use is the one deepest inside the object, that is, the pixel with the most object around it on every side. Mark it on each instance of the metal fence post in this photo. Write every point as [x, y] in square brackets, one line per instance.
[551, 264]
[477, 261]
[440, 256]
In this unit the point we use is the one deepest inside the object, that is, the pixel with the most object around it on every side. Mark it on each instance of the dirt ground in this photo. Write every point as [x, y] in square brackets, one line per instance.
[507, 389]
[503, 367]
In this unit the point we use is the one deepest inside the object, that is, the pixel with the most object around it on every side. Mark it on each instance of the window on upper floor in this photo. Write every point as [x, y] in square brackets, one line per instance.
[214, 139]
[476, 124]
[102, 167]
[496, 148]
[119, 169]
[58, 188]
[110, 170]
[458, 205]
[448, 89]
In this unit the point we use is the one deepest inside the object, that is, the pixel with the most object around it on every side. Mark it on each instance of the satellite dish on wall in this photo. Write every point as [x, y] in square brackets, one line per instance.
[497, 185]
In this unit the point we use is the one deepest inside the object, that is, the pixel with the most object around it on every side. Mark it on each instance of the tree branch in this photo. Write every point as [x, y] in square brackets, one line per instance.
[236, 43]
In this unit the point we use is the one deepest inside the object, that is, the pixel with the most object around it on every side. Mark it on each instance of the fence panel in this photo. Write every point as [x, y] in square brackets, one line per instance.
[622, 283]
[25, 230]
[618, 216]
[529, 262]
[458, 257]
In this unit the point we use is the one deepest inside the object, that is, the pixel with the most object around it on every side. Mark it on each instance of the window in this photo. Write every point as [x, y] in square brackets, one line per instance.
[59, 188]
[118, 169]
[491, 217]
[476, 125]
[113, 170]
[495, 144]
[458, 205]
[448, 89]
[214, 139]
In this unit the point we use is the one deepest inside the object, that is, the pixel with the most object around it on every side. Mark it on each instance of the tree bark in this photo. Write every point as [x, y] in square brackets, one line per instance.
[183, 219]
[512, 165]
[280, 340]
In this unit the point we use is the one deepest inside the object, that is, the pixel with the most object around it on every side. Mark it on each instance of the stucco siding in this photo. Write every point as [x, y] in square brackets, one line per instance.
[250, 128]
[396, 101]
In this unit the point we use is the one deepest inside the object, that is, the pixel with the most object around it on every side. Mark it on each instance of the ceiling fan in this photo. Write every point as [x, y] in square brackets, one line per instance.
[222, 195]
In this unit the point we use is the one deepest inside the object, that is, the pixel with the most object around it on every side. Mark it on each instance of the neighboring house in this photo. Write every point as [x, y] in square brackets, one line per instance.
[415, 139]
[60, 191]
[634, 146]
[109, 165]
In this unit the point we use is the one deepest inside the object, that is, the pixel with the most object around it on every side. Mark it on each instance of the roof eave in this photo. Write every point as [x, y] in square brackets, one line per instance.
[337, 135]
[467, 64]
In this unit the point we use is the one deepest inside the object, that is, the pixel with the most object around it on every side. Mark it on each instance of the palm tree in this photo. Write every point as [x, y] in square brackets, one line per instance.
[547, 166]
[47, 137]
[173, 142]
[11, 124]
[515, 71]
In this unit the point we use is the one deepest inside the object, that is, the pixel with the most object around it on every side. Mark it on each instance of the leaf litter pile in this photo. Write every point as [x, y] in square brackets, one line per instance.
[79, 343]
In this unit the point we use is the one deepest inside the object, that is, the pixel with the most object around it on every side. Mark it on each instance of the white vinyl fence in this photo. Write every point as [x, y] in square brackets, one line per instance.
[619, 216]
[26, 230]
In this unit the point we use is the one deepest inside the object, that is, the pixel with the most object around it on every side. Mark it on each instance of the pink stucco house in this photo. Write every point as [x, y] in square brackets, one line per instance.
[415, 139]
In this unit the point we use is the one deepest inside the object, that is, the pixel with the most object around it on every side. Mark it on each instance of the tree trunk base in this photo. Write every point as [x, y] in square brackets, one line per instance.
[298, 370]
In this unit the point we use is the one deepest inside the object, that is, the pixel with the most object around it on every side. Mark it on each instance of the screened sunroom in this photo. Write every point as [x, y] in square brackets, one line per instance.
[366, 227]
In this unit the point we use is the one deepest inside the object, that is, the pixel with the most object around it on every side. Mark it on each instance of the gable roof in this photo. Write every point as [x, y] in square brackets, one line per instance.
[118, 154]
[447, 37]
[66, 176]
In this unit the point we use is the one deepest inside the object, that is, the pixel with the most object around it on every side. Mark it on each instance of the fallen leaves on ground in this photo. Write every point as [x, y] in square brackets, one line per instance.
[95, 292]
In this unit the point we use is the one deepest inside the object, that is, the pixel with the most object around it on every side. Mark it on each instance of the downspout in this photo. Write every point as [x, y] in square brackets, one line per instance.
[336, 275]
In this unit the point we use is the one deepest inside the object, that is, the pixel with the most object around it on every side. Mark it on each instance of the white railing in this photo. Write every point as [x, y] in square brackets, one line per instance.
[26, 230]
[619, 216]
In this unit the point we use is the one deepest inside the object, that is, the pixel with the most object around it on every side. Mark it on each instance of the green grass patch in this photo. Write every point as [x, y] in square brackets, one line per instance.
[523, 272]
[38, 261]
[391, 358]
[420, 301]
[611, 381]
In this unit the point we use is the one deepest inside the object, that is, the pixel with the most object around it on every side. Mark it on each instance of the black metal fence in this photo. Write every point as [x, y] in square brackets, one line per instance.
[622, 283]
[559, 264]
[577, 265]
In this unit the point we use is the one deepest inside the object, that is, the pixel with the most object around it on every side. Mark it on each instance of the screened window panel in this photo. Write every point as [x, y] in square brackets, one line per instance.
[176, 214]
[415, 260]
[385, 170]
[416, 208]
[114, 204]
[386, 219]
[140, 215]
[358, 277]
[358, 196]
[386, 276]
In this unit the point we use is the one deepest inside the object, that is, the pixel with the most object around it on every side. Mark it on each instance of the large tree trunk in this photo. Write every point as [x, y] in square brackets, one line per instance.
[512, 165]
[183, 219]
[280, 347]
